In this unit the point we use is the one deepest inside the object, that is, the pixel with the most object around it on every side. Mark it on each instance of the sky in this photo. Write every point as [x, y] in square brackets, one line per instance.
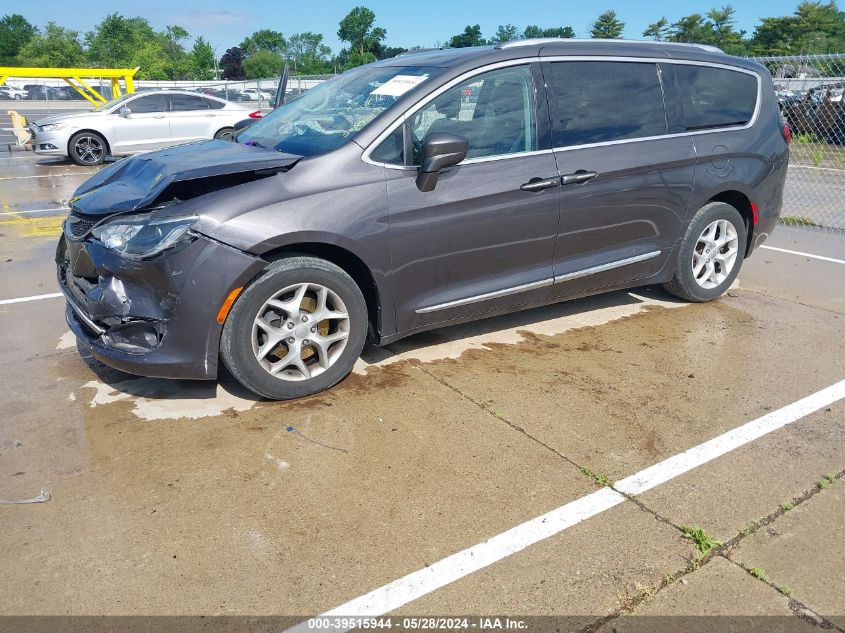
[226, 22]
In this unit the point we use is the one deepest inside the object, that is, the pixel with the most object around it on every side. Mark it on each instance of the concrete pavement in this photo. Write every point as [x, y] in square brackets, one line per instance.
[194, 498]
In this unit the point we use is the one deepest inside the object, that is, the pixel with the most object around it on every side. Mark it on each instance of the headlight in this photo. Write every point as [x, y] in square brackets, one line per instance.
[140, 236]
[52, 127]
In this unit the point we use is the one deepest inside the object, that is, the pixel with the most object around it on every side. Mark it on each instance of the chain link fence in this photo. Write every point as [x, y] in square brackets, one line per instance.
[809, 90]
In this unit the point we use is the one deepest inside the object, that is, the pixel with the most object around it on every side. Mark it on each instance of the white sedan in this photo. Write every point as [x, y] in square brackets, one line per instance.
[135, 123]
[254, 94]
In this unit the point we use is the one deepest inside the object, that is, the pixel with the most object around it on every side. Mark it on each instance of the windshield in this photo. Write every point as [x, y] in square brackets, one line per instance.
[333, 112]
[110, 104]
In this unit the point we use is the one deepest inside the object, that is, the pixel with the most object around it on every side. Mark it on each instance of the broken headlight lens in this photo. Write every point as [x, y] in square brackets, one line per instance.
[140, 237]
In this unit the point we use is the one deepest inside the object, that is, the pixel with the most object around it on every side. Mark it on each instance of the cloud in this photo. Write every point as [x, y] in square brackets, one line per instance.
[212, 20]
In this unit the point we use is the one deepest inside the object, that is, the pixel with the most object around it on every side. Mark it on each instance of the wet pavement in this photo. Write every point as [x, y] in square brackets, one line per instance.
[196, 498]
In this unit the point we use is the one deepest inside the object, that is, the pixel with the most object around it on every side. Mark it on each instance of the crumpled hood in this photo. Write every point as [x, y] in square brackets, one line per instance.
[134, 183]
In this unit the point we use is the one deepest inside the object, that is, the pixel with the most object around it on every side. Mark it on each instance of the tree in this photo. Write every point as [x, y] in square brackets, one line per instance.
[658, 31]
[232, 63]
[558, 31]
[15, 32]
[263, 64]
[773, 37]
[264, 40]
[505, 33]
[357, 29]
[114, 42]
[57, 47]
[721, 24]
[607, 26]
[470, 37]
[308, 53]
[692, 29]
[177, 60]
[202, 59]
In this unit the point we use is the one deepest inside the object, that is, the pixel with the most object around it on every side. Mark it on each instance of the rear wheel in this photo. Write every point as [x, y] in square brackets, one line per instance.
[297, 330]
[87, 148]
[710, 255]
[226, 133]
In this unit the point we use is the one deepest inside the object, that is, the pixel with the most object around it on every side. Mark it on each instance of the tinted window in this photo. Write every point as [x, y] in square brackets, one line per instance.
[596, 102]
[716, 97]
[390, 150]
[182, 103]
[494, 111]
[150, 103]
[214, 105]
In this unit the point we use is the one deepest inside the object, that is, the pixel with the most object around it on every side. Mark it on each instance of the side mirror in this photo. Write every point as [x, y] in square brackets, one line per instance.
[439, 151]
[124, 111]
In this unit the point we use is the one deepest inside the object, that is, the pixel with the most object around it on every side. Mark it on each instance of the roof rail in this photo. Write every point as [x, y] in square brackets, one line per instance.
[536, 41]
[414, 51]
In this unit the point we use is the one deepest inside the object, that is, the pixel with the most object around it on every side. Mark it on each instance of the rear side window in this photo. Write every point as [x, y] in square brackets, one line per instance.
[716, 97]
[598, 102]
[214, 105]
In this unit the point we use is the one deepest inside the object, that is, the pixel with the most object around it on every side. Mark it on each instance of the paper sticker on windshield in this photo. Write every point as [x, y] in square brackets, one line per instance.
[399, 85]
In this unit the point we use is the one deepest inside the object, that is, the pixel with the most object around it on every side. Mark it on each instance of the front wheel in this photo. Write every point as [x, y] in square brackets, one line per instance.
[295, 331]
[87, 148]
[710, 255]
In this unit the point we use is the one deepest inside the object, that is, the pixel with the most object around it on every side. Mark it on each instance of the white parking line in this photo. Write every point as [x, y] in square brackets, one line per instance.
[420, 583]
[72, 173]
[52, 295]
[26, 211]
[810, 255]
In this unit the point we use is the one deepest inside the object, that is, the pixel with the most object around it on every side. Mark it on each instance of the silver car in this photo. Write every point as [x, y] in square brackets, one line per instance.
[136, 123]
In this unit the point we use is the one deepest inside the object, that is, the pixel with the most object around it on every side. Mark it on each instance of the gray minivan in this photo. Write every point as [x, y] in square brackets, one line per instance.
[422, 191]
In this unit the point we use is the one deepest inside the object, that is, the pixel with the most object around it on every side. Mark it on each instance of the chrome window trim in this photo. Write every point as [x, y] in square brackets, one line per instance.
[584, 272]
[562, 58]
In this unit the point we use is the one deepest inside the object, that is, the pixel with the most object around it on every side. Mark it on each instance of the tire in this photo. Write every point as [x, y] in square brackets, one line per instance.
[723, 248]
[227, 133]
[243, 340]
[17, 97]
[87, 149]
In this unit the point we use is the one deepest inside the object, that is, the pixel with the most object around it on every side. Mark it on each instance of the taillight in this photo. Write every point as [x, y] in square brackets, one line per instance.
[255, 115]
[787, 133]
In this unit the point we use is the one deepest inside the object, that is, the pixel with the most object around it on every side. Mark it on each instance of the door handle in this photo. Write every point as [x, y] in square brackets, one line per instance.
[538, 184]
[579, 177]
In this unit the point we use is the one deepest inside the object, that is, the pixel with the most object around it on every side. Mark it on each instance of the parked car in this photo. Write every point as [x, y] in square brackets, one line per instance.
[254, 94]
[42, 93]
[11, 92]
[325, 223]
[136, 123]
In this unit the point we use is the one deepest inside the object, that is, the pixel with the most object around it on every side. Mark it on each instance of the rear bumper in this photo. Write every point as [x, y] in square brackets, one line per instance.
[156, 317]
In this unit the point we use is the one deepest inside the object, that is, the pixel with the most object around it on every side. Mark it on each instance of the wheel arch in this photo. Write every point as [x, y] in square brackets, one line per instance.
[740, 201]
[102, 135]
[350, 263]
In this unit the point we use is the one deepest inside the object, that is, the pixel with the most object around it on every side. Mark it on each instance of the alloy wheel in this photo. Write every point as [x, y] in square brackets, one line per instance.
[715, 253]
[300, 332]
[88, 149]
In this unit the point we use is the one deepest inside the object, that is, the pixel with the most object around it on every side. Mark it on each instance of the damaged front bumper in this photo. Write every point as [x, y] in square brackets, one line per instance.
[155, 317]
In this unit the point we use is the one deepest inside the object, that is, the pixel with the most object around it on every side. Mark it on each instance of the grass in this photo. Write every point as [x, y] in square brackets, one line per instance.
[825, 482]
[600, 478]
[796, 220]
[786, 507]
[807, 149]
[758, 573]
[704, 543]
[785, 590]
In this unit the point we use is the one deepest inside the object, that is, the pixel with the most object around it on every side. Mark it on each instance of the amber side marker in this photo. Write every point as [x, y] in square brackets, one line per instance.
[227, 305]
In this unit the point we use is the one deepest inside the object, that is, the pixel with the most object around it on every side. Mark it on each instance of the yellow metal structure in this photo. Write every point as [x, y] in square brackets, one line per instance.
[75, 78]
